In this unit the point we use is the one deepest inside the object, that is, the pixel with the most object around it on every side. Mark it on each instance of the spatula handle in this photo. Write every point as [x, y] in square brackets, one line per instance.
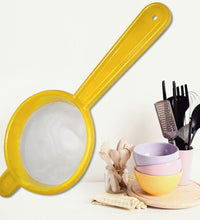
[139, 36]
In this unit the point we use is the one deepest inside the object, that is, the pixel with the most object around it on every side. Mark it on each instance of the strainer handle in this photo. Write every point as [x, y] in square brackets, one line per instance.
[139, 36]
[8, 184]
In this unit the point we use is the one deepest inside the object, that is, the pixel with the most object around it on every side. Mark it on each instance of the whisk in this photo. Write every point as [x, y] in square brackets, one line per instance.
[194, 101]
[183, 132]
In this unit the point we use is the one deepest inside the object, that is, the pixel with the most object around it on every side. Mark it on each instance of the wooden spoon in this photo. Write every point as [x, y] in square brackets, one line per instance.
[105, 147]
[124, 157]
[130, 148]
[115, 156]
[114, 183]
[121, 144]
[106, 158]
[108, 161]
[114, 177]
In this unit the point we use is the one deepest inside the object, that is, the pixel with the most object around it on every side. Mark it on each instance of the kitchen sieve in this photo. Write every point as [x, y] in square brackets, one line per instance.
[50, 138]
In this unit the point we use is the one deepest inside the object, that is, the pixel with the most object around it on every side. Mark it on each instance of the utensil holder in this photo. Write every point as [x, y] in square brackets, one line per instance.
[115, 179]
[186, 160]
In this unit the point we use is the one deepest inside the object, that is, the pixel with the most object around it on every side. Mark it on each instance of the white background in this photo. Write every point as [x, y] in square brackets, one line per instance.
[55, 44]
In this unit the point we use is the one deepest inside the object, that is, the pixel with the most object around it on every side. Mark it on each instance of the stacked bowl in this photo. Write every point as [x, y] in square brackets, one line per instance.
[158, 167]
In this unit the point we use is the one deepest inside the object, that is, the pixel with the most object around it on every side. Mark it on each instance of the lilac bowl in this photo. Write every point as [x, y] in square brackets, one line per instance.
[154, 153]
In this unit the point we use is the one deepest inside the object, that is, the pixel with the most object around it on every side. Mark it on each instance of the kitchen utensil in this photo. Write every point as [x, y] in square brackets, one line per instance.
[106, 158]
[181, 198]
[116, 174]
[115, 156]
[166, 119]
[26, 145]
[108, 161]
[194, 101]
[182, 105]
[174, 100]
[154, 153]
[129, 148]
[180, 143]
[194, 124]
[112, 182]
[121, 144]
[164, 169]
[157, 185]
[115, 183]
[164, 90]
[186, 161]
[105, 147]
[183, 133]
[177, 107]
[124, 156]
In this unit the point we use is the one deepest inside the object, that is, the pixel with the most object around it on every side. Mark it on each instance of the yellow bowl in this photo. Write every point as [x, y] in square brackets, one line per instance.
[157, 185]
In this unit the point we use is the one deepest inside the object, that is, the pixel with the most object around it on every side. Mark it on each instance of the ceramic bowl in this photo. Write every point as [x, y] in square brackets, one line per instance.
[157, 185]
[154, 153]
[164, 169]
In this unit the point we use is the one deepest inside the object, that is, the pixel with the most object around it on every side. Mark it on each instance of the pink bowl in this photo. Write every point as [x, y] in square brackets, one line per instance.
[164, 169]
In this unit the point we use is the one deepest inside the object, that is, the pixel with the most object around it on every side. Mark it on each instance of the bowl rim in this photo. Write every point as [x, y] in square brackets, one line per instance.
[178, 160]
[154, 156]
[179, 173]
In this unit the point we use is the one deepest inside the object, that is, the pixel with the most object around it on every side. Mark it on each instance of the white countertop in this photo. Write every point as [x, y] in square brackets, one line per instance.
[76, 204]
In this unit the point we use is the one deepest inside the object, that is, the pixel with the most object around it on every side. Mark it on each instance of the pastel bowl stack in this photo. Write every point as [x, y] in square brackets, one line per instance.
[158, 167]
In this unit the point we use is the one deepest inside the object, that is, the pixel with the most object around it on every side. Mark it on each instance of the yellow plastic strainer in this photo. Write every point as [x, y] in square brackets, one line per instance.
[77, 133]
